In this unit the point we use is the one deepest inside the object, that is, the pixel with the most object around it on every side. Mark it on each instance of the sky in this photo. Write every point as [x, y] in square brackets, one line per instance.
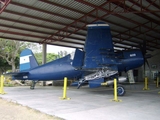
[56, 49]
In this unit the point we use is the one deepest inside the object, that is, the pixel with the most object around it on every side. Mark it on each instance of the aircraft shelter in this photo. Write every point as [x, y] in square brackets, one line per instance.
[63, 23]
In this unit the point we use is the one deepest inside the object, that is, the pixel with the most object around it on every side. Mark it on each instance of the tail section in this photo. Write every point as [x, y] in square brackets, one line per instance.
[27, 60]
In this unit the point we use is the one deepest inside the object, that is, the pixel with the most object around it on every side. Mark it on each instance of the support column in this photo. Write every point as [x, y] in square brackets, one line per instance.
[146, 84]
[44, 50]
[115, 92]
[65, 90]
[2, 85]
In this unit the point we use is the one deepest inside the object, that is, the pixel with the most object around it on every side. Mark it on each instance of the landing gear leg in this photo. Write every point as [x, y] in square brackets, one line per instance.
[23, 81]
[33, 84]
[120, 90]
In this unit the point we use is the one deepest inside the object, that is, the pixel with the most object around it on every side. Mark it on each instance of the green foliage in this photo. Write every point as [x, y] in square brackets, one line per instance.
[38, 57]
[10, 50]
[9, 85]
[4, 65]
[62, 54]
[8, 82]
[50, 57]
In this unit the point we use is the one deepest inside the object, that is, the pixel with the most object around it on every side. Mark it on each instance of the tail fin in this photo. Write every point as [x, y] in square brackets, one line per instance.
[27, 60]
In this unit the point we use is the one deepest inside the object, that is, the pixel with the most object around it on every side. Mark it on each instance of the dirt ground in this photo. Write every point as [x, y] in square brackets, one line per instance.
[13, 111]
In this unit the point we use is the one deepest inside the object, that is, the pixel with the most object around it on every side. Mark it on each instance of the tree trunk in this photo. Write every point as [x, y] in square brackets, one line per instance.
[13, 67]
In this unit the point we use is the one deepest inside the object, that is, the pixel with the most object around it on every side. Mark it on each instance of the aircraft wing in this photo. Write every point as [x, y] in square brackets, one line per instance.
[18, 73]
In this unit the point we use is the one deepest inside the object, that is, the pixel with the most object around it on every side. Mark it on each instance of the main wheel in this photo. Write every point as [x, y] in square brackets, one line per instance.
[120, 90]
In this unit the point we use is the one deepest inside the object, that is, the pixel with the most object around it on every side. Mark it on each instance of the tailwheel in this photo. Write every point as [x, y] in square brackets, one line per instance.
[31, 87]
[33, 84]
[120, 90]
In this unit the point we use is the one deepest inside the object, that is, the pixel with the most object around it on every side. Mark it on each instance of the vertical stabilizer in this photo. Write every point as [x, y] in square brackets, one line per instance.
[98, 46]
[27, 60]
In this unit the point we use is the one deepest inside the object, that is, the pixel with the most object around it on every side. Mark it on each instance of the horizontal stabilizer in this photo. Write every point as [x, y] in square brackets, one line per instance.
[19, 75]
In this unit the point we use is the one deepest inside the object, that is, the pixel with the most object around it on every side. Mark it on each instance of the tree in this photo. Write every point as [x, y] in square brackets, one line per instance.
[50, 57]
[62, 53]
[4, 66]
[10, 50]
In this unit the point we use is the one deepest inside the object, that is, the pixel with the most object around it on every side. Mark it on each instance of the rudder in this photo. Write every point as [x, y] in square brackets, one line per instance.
[27, 60]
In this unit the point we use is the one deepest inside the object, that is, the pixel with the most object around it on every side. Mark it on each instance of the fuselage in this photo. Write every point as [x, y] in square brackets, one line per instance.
[131, 59]
[55, 70]
[58, 69]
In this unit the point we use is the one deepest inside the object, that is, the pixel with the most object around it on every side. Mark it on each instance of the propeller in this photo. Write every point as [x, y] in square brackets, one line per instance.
[145, 55]
[144, 52]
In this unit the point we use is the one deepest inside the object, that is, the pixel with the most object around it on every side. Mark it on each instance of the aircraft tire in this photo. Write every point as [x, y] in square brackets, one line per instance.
[120, 90]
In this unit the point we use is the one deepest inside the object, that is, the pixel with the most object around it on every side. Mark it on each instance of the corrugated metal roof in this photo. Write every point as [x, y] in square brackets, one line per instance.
[43, 20]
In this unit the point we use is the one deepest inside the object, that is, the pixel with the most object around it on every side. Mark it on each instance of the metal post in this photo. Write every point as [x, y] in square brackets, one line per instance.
[146, 84]
[115, 91]
[65, 90]
[1, 85]
[44, 50]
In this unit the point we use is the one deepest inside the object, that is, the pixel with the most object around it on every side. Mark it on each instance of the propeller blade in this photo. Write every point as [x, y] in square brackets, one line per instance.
[155, 54]
[144, 64]
[147, 63]
[148, 56]
[143, 47]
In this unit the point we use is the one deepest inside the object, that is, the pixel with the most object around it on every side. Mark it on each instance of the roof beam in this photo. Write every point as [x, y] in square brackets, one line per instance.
[34, 36]
[26, 23]
[54, 21]
[142, 8]
[140, 32]
[75, 23]
[131, 9]
[3, 5]
[120, 16]
[40, 10]
[47, 27]
[36, 31]
[29, 40]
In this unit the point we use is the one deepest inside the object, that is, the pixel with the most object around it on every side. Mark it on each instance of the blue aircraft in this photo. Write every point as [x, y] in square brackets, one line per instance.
[96, 64]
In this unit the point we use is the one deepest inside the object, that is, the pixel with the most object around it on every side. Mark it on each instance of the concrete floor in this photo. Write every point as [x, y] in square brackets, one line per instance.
[89, 104]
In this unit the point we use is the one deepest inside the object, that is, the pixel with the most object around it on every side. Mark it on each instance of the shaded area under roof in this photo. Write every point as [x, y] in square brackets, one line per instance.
[63, 23]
